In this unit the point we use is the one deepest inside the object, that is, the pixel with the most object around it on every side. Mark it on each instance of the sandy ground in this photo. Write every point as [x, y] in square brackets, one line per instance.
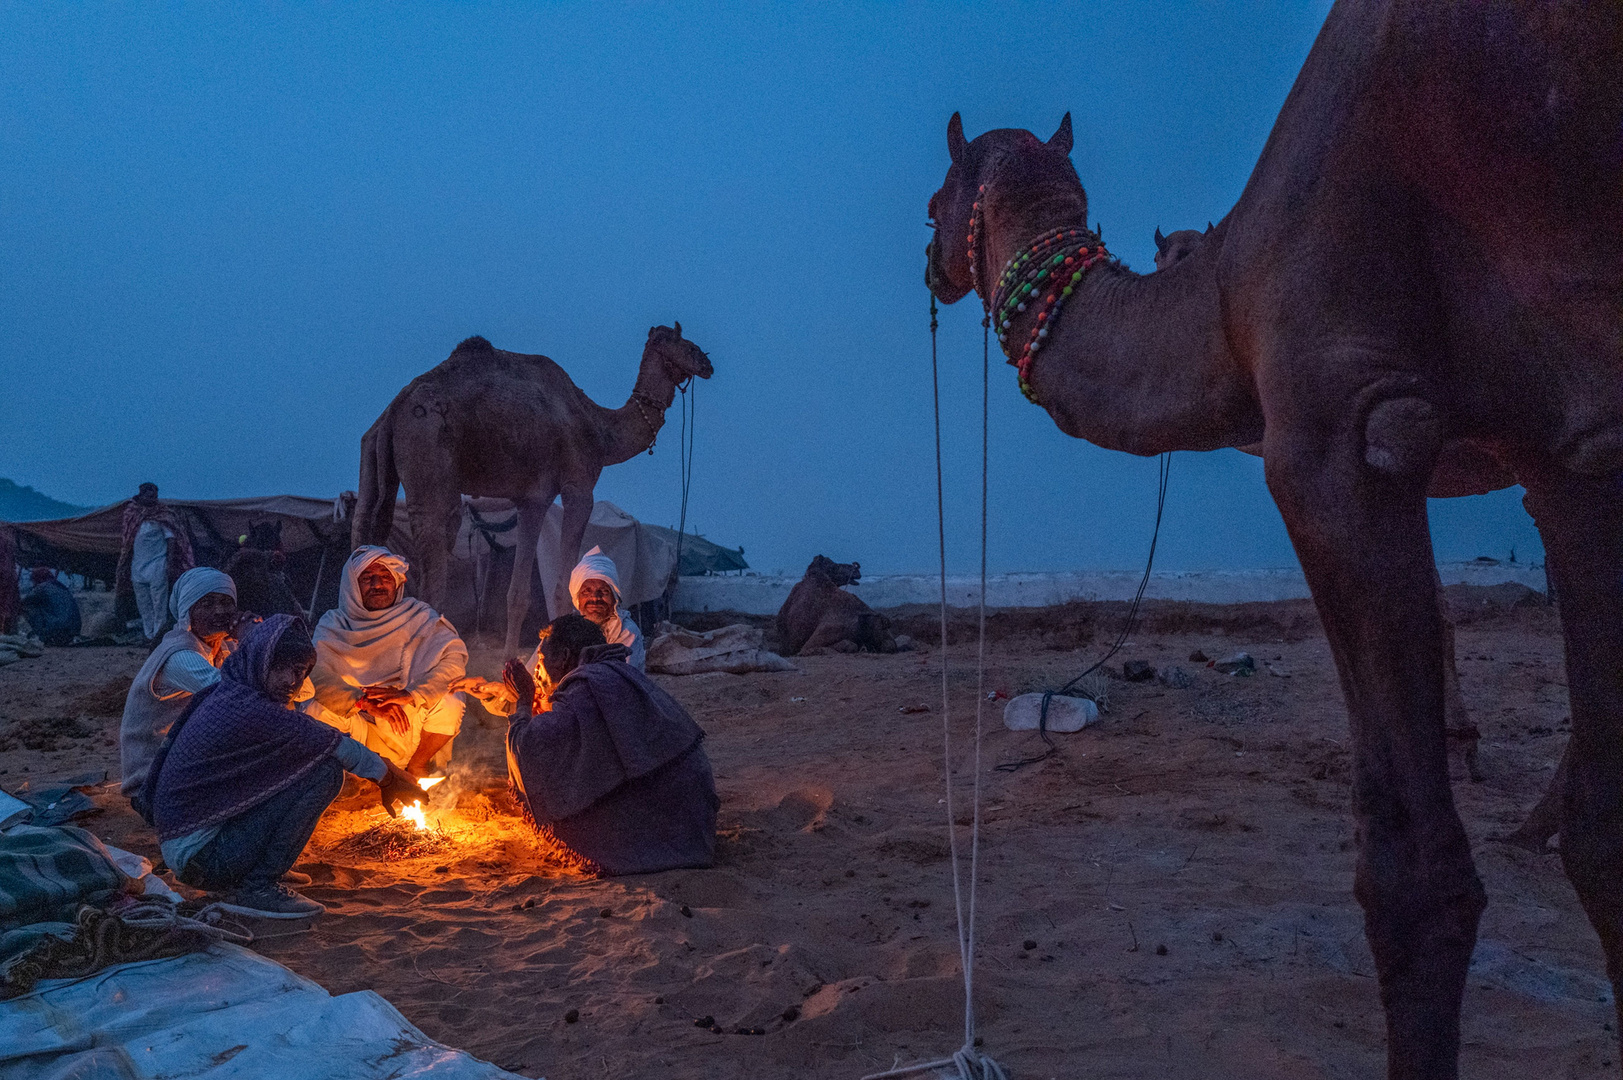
[1168, 896]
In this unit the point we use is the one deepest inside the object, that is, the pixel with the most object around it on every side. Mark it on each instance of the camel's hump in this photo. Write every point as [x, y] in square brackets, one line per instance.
[474, 346]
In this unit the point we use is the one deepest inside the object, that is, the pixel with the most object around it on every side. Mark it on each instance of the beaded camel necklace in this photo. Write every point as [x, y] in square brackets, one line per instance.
[1043, 275]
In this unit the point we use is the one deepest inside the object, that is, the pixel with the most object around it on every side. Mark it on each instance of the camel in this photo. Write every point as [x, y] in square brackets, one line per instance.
[1174, 249]
[1420, 282]
[820, 616]
[1463, 735]
[512, 426]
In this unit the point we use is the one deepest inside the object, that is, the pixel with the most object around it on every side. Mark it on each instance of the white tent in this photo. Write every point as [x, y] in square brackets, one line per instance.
[646, 560]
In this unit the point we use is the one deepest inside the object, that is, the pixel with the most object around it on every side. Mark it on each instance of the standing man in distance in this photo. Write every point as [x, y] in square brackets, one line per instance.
[154, 551]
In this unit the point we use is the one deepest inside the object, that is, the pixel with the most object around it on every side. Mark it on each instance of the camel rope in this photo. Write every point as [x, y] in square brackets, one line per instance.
[967, 1063]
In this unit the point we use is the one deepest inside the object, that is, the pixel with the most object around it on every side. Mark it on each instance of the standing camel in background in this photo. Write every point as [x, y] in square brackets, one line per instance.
[1425, 271]
[511, 426]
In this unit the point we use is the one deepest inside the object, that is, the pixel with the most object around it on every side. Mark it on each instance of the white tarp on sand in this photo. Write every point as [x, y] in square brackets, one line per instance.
[224, 1014]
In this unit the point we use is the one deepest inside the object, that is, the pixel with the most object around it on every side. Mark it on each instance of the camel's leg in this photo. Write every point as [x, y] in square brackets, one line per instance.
[1581, 521]
[1363, 542]
[577, 497]
[531, 512]
[435, 510]
[1545, 819]
[1463, 735]
[830, 634]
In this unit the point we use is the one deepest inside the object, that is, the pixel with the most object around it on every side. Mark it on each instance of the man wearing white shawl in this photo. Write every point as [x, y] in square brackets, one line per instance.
[594, 586]
[385, 663]
[187, 660]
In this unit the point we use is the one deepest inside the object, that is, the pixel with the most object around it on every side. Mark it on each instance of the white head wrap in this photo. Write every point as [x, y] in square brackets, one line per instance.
[192, 586]
[349, 590]
[618, 629]
[594, 565]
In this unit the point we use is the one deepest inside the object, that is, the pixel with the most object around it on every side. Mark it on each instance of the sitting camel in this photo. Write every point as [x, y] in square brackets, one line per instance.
[1420, 278]
[510, 426]
[820, 616]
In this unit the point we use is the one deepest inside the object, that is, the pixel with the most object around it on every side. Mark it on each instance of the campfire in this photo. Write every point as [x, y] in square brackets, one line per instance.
[409, 836]
[415, 812]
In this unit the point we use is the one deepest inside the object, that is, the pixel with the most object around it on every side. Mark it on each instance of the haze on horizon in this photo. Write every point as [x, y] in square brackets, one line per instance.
[230, 235]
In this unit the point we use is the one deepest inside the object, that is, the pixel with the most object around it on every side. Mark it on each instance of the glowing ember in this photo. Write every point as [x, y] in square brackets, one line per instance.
[427, 782]
[414, 814]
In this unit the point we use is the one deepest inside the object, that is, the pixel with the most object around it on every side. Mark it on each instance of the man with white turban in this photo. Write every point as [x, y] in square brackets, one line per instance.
[594, 586]
[187, 660]
[385, 663]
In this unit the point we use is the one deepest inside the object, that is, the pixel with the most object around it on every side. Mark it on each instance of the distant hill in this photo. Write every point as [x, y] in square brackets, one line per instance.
[18, 503]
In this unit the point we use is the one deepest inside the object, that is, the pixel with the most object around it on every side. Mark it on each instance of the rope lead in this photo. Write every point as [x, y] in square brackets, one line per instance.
[969, 1063]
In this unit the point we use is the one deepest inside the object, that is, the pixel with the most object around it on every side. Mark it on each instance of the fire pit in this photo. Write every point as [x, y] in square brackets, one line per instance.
[408, 836]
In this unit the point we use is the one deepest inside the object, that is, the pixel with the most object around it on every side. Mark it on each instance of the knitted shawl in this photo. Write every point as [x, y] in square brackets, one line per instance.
[234, 747]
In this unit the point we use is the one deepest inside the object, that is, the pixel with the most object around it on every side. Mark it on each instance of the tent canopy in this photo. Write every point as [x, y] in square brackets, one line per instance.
[314, 534]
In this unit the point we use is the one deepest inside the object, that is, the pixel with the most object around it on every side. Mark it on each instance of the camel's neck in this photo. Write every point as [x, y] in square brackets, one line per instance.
[1134, 362]
[632, 428]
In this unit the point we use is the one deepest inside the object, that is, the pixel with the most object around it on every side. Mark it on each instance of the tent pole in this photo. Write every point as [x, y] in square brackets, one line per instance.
[322, 565]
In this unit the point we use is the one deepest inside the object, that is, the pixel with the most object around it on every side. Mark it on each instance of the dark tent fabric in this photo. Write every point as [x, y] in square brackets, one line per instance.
[314, 535]
[701, 556]
[88, 545]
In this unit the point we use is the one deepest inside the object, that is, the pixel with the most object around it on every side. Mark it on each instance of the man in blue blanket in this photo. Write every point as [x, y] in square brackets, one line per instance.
[241, 780]
[606, 762]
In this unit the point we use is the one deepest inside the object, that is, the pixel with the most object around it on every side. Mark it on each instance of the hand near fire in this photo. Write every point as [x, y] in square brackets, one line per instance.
[495, 696]
[521, 684]
[398, 786]
[245, 621]
[387, 702]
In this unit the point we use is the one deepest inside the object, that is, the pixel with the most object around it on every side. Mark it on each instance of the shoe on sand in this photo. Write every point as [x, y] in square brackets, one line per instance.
[272, 902]
[296, 879]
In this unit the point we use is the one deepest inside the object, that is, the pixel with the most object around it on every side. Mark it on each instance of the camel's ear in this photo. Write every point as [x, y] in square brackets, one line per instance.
[1062, 138]
[1208, 226]
[956, 143]
[1160, 241]
[679, 330]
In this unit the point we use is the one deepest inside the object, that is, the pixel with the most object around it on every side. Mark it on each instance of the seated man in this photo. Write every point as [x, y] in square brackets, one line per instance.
[614, 768]
[53, 613]
[187, 660]
[594, 586]
[239, 784]
[385, 664]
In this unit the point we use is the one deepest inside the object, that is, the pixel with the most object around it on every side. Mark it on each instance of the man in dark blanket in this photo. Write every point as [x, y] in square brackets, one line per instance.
[53, 613]
[615, 768]
[241, 780]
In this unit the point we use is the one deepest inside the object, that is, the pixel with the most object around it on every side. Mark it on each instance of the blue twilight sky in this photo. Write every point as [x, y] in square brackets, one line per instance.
[230, 233]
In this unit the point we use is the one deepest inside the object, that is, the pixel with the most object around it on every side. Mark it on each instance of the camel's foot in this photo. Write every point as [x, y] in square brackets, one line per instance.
[1534, 840]
[1462, 754]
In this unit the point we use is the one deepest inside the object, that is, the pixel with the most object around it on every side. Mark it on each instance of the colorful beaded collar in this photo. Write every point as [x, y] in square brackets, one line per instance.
[1042, 276]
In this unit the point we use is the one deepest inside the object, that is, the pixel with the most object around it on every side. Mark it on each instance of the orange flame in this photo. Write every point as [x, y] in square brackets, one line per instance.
[414, 814]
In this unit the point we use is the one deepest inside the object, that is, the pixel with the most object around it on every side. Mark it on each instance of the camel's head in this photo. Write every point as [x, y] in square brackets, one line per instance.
[682, 359]
[834, 573]
[1177, 247]
[1004, 158]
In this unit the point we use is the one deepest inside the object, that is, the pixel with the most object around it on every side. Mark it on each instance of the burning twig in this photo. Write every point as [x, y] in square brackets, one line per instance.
[409, 836]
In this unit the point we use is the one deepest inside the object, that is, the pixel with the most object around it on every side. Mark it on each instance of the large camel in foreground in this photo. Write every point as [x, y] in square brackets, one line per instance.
[511, 426]
[1425, 269]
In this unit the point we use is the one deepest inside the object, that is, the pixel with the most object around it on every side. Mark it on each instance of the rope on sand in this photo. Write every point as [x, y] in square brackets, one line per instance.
[144, 930]
[967, 1063]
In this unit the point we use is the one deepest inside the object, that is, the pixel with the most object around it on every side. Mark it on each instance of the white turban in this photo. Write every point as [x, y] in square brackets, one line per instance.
[349, 590]
[192, 586]
[594, 565]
